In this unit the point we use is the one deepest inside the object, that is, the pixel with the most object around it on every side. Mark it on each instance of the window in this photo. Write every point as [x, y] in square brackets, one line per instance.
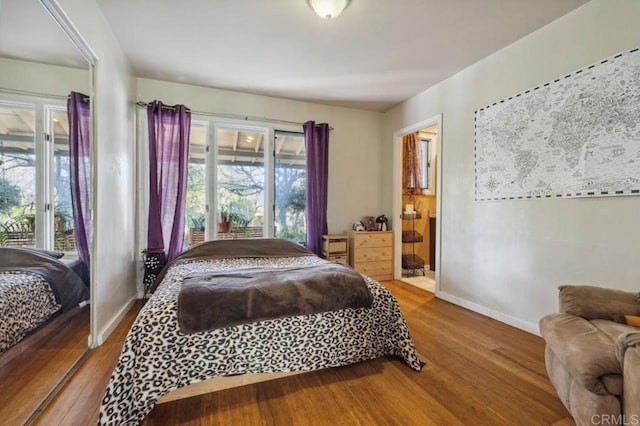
[428, 138]
[240, 166]
[246, 181]
[290, 186]
[425, 162]
[35, 195]
[61, 179]
[196, 205]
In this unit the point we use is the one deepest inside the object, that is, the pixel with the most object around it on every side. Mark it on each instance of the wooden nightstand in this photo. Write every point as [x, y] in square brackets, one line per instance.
[335, 248]
[371, 253]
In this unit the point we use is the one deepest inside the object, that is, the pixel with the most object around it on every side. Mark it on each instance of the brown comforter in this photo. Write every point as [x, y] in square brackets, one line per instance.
[216, 300]
[209, 301]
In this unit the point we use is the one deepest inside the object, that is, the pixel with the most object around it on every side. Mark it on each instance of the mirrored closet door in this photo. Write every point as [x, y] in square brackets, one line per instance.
[39, 68]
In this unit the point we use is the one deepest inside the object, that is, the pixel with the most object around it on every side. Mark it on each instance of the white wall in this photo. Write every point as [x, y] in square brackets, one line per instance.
[42, 78]
[114, 255]
[506, 258]
[355, 156]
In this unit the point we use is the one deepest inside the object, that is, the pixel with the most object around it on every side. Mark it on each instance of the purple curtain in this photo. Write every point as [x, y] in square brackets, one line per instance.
[316, 141]
[168, 149]
[80, 168]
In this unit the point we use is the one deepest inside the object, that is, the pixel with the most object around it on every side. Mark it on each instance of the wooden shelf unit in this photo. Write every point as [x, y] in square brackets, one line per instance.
[411, 261]
[371, 253]
[335, 248]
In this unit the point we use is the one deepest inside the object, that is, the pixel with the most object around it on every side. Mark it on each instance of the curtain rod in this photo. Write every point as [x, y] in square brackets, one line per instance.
[85, 99]
[232, 116]
[169, 107]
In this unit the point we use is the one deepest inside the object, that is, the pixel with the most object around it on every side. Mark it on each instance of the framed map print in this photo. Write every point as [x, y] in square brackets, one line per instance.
[575, 136]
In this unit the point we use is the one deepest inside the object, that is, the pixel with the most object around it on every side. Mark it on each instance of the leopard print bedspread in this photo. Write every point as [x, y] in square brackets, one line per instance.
[157, 357]
[26, 301]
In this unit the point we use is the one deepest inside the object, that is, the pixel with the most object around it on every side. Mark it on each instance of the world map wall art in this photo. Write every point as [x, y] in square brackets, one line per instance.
[575, 136]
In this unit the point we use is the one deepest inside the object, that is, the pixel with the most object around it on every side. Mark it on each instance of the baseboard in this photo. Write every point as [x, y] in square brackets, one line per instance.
[108, 329]
[499, 316]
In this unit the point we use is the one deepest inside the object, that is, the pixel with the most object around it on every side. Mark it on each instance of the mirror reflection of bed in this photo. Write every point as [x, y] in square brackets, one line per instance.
[39, 67]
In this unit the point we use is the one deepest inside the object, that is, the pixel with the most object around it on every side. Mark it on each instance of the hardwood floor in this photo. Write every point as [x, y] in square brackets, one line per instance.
[78, 401]
[478, 371]
[32, 368]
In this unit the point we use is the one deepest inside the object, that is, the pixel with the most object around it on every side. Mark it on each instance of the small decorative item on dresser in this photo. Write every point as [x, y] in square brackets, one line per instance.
[370, 223]
[382, 222]
[154, 261]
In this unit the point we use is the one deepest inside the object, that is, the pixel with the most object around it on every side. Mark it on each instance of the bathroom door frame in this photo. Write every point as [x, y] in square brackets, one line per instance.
[397, 193]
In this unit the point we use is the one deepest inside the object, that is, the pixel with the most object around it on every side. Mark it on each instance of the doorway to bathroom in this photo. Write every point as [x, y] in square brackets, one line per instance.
[416, 197]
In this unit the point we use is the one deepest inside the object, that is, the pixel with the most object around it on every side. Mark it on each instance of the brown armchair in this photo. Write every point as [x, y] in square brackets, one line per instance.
[629, 345]
[593, 357]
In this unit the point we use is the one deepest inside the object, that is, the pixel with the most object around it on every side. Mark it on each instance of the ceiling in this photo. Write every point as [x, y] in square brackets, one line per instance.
[377, 54]
[28, 32]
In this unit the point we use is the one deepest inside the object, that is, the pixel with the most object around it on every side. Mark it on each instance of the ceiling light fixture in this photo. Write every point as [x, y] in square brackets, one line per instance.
[328, 9]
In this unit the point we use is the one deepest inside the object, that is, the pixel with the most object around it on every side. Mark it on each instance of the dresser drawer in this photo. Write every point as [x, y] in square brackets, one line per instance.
[339, 258]
[373, 254]
[375, 269]
[335, 246]
[372, 239]
[382, 277]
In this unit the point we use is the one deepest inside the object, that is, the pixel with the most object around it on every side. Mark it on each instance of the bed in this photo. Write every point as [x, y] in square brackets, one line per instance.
[34, 287]
[158, 357]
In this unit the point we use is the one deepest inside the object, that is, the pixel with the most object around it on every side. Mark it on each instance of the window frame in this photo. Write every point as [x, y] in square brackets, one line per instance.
[211, 157]
[211, 191]
[43, 109]
[210, 120]
[427, 169]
